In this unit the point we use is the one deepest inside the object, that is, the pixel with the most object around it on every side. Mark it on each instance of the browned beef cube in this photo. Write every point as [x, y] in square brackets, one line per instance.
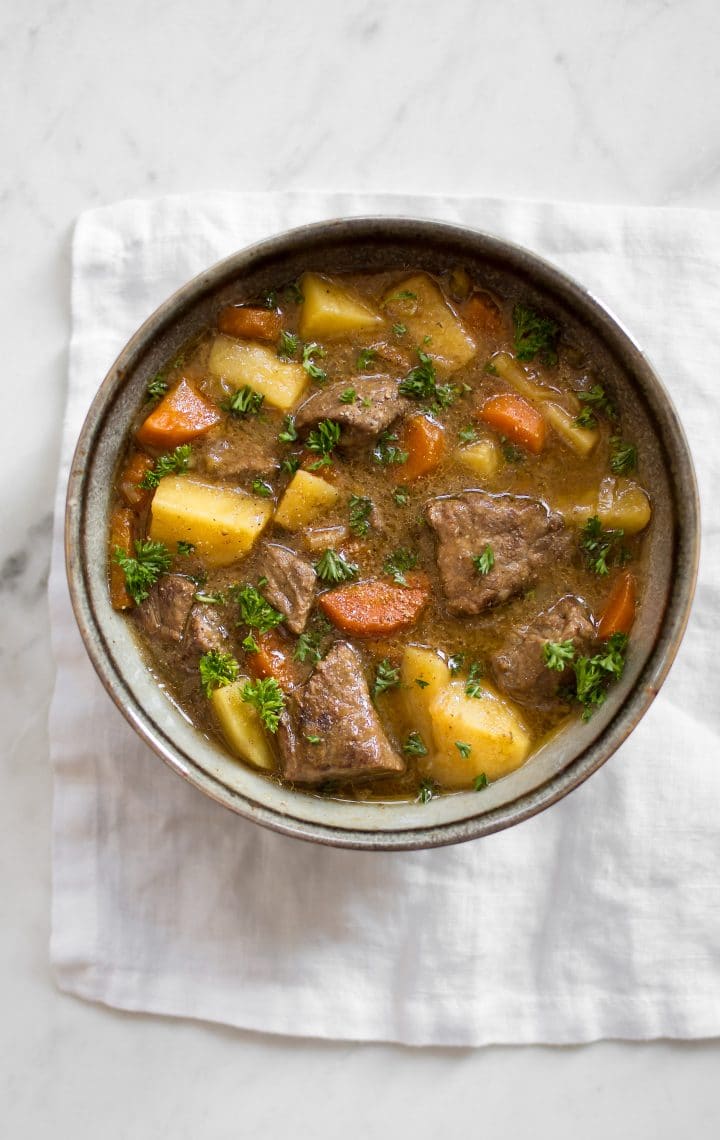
[376, 406]
[230, 450]
[164, 612]
[332, 730]
[519, 666]
[524, 535]
[290, 586]
[205, 631]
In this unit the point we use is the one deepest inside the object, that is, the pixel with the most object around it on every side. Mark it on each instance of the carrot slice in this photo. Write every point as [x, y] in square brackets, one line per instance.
[517, 419]
[273, 659]
[246, 321]
[121, 534]
[619, 613]
[424, 441]
[377, 607]
[482, 315]
[182, 415]
[136, 467]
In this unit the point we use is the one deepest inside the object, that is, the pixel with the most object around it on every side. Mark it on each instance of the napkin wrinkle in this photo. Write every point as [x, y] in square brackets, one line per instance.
[600, 917]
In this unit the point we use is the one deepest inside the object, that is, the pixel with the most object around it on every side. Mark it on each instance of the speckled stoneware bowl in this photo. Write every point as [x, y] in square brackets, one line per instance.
[671, 547]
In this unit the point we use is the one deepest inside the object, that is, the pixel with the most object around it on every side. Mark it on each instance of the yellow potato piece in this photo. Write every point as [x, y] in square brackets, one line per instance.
[222, 523]
[426, 313]
[499, 742]
[241, 725]
[623, 504]
[306, 497]
[426, 666]
[331, 310]
[482, 458]
[242, 362]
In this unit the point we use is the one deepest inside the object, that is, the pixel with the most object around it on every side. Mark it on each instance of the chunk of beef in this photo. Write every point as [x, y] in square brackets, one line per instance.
[519, 666]
[231, 450]
[523, 534]
[164, 612]
[331, 730]
[290, 586]
[376, 406]
[204, 631]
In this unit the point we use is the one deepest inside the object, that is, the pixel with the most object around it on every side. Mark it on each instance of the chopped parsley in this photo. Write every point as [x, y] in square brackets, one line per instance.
[426, 791]
[594, 674]
[360, 511]
[421, 384]
[594, 401]
[511, 453]
[290, 465]
[455, 663]
[294, 293]
[157, 387]
[217, 599]
[142, 572]
[322, 440]
[403, 295]
[414, 745]
[467, 435]
[602, 548]
[308, 648]
[289, 431]
[312, 738]
[558, 654]
[314, 371]
[473, 686]
[244, 402]
[348, 396]
[255, 612]
[399, 329]
[623, 456]
[534, 335]
[365, 358]
[484, 562]
[421, 683]
[387, 676]
[386, 450]
[267, 698]
[185, 548]
[490, 368]
[269, 300]
[480, 782]
[261, 488]
[463, 748]
[398, 562]
[217, 669]
[288, 345]
[174, 463]
[334, 567]
[401, 495]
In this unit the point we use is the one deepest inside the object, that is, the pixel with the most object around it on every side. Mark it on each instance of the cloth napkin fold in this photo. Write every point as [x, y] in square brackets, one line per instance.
[598, 918]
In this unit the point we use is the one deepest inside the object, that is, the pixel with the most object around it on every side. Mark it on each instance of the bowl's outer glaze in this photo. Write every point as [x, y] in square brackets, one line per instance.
[558, 767]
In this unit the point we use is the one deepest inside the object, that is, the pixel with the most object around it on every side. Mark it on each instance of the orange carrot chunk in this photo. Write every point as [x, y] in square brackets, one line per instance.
[249, 322]
[424, 441]
[516, 419]
[273, 659]
[619, 613]
[135, 469]
[377, 607]
[482, 315]
[182, 415]
[121, 534]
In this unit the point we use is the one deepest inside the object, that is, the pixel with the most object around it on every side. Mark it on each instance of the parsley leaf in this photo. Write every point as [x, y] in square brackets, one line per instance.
[594, 400]
[334, 567]
[294, 293]
[360, 511]
[623, 456]
[426, 791]
[594, 674]
[401, 496]
[142, 572]
[290, 465]
[511, 453]
[322, 440]
[185, 548]
[217, 669]
[463, 748]
[421, 384]
[217, 599]
[244, 402]
[386, 451]
[348, 396]
[558, 654]
[157, 387]
[534, 335]
[414, 745]
[313, 739]
[255, 611]
[387, 676]
[467, 435]
[399, 329]
[261, 488]
[308, 648]
[365, 358]
[602, 548]
[473, 686]
[314, 371]
[480, 782]
[484, 562]
[398, 562]
[288, 345]
[175, 463]
[289, 431]
[455, 663]
[267, 698]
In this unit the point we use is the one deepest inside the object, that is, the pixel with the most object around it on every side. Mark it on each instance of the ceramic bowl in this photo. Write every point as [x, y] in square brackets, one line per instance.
[671, 546]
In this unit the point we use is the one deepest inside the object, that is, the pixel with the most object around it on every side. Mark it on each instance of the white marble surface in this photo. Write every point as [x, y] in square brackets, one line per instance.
[617, 101]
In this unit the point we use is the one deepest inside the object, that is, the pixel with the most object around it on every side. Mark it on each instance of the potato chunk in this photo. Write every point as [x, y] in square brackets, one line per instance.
[222, 523]
[306, 496]
[498, 740]
[330, 310]
[623, 504]
[242, 362]
[428, 668]
[482, 458]
[418, 304]
[241, 725]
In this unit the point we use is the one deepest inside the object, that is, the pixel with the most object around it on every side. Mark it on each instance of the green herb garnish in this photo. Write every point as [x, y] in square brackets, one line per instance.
[398, 562]
[255, 612]
[421, 384]
[365, 358]
[623, 456]
[314, 371]
[480, 782]
[289, 431]
[473, 686]
[595, 400]
[534, 335]
[142, 572]
[261, 488]
[399, 329]
[602, 548]
[334, 567]
[217, 599]
[414, 745]
[290, 465]
[467, 435]
[157, 387]
[455, 663]
[463, 748]
[360, 511]
[593, 675]
[484, 562]
[185, 548]
[245, 402]
[349, 396]
[288, 345]
[175, 463]
[426, 791]
[308, 648]
[511, 453]
[313, 739]
[267, 698]
[558, 654]
[386, 450]
[217, 669]
[322, 440]
[387, 676]
[401, 496]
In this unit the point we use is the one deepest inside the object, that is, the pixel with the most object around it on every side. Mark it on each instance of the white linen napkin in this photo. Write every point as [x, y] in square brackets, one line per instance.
[598, 918]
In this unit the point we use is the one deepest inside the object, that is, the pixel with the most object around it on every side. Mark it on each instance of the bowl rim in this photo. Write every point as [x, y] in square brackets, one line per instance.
[585, 763]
